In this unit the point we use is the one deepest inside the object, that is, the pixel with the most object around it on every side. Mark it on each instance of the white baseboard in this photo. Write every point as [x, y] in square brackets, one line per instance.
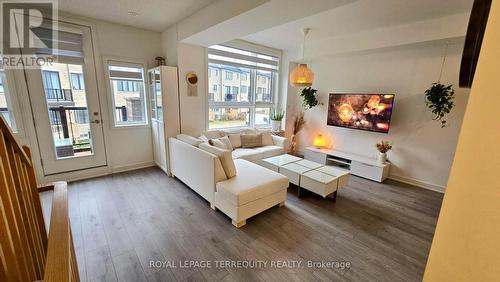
[418, 183]
[130, 167]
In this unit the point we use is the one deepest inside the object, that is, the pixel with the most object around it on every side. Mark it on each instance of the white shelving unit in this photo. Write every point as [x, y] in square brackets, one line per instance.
[165, 122]
[358, 165]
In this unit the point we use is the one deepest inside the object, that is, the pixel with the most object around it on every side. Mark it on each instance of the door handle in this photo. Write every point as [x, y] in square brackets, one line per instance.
[96, 121]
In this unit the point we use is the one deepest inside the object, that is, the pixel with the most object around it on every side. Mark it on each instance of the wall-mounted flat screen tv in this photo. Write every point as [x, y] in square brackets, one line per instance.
[370, 112]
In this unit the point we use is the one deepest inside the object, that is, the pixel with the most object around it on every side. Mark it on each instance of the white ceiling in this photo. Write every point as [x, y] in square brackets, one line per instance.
[154, 15]
[359, 16]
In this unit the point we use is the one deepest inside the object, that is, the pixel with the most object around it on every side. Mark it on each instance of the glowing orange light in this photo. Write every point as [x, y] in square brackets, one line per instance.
[383, 125]
[319, 141]
[346, 112]
[373, 102]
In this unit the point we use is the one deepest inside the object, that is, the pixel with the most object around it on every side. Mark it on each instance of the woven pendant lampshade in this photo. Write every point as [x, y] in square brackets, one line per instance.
[301, 76]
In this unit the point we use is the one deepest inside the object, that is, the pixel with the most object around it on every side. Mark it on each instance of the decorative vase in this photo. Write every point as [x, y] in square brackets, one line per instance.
[276, 125]
[382, 158]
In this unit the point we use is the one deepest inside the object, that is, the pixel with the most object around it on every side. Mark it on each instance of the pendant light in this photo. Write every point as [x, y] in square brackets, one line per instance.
[302, 76]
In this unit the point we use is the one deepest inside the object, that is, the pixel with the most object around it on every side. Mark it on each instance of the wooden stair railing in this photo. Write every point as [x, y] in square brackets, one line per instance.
[26, 252]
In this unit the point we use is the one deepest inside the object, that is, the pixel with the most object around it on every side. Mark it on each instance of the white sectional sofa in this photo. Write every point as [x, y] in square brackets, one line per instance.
[277, 147]
[252, 190]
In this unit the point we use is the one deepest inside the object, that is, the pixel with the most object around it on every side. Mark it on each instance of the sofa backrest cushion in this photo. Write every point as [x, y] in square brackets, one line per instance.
[211, 134]
[224, 156]
[189, 139]
[251, 140]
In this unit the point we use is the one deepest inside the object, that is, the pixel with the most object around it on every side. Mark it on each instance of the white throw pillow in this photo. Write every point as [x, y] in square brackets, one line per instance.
[222, 143]
[189, 139]
[217, 143]
[235, 140]
[227, 142]
[267, 137]
[224, 156]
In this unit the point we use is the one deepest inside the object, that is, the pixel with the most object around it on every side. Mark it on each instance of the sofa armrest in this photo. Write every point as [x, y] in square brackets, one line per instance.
[280, 141]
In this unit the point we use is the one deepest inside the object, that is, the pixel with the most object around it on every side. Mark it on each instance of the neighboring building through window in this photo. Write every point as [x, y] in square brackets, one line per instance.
[128, 93]
[52, 84]
[77, 82]
[249, 81]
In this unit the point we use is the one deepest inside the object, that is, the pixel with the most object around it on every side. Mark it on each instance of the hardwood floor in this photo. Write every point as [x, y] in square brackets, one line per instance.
[123, 222]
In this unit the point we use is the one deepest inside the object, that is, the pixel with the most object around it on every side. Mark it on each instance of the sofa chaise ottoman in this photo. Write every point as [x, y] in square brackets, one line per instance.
[253, 190]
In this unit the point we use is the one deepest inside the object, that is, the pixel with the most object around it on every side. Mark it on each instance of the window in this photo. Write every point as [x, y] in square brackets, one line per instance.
[127, 86]
[214, 87]
[5, 102]
[247, 100]
[128, 93]
[52, 85]
[229, 117]
[77, 82]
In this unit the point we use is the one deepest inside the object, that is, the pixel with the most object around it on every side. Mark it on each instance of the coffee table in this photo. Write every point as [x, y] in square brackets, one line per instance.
[317, 178]
[274, 163]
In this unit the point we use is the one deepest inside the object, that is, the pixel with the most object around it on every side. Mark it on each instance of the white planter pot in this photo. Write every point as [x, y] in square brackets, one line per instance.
[276, 125]
[382, 158]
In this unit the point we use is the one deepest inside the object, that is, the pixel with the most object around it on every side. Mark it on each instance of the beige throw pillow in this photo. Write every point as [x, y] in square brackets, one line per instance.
[224, 156]
[251, 140]
[235, 140]
[267, 137]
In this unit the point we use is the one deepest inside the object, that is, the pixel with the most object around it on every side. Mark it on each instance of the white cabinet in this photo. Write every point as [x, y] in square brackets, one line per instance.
[164, 92]
[358, 165]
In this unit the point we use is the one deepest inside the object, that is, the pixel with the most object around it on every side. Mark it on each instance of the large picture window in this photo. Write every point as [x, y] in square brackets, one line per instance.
[127, 90]
[243, 96]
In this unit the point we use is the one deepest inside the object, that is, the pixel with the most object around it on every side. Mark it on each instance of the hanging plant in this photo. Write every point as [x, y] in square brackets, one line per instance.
[439, 98]
[309, 96]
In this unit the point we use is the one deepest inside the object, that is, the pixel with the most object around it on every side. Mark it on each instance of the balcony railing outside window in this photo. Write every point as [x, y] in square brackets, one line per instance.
[59, 95]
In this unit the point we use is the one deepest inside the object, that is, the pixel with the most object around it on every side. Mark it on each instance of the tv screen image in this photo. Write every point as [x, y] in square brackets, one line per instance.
[370, 112]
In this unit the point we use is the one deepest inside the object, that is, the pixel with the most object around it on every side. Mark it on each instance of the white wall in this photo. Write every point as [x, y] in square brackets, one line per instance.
[193, 108]
[188, 58]
[423, 151]
[139, 45]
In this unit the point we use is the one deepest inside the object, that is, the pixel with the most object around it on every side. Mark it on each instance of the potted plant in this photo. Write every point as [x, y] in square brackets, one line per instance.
[309, 96]
[276, 118]
[439, 99]
[383, 147]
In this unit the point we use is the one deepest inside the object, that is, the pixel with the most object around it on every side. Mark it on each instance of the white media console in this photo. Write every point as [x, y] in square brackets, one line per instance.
[358, 165]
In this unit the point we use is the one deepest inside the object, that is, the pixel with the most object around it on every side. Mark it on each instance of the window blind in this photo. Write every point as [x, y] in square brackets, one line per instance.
[67, 46]
[223, 55]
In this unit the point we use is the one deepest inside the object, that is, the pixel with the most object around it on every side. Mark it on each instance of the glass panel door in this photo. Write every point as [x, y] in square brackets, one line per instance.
[159, 100]
[68, 111]
[65, 104]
